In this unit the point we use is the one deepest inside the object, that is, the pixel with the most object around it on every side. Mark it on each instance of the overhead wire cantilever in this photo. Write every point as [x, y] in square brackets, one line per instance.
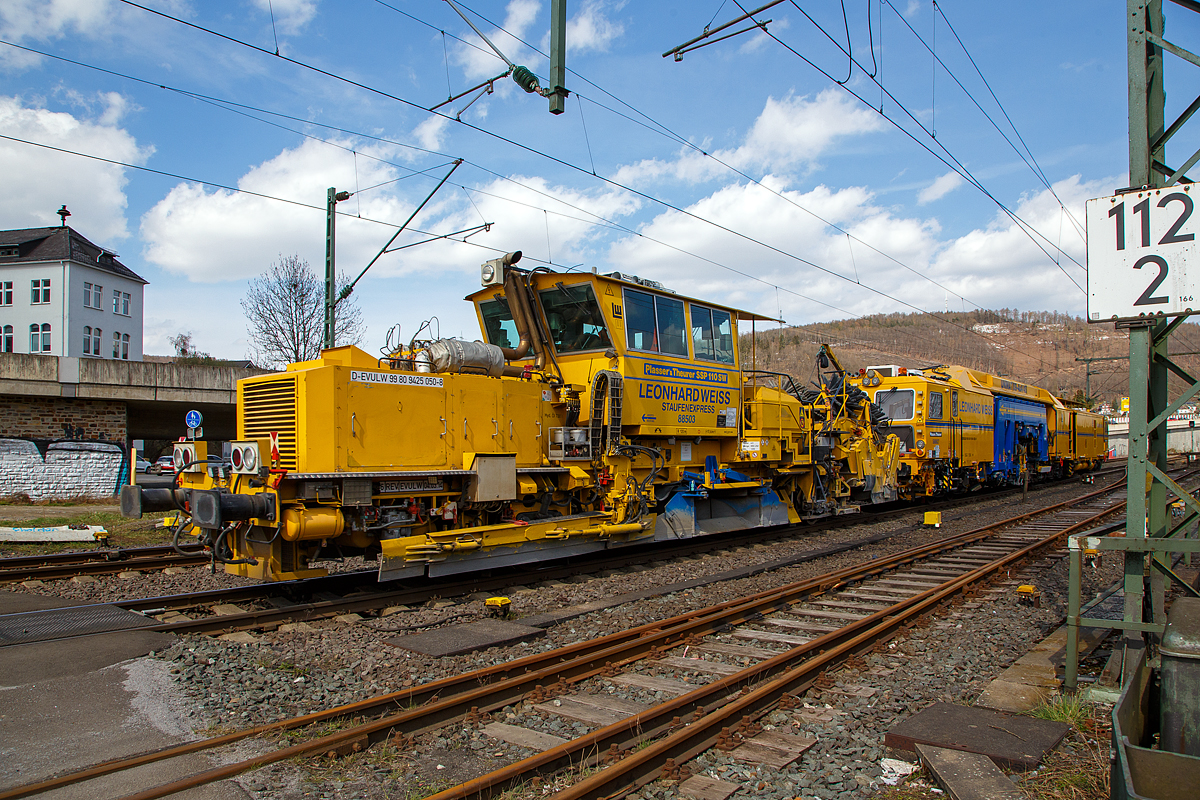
[679, 52]
[488, 87]
[347, 289]
[521, 75]
[687, 46]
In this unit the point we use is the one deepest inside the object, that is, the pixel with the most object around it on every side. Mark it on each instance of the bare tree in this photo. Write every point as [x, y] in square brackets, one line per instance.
[186, 351]
[285, 314]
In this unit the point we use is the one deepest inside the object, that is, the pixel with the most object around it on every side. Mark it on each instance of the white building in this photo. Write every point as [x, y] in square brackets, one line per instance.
[62, 295]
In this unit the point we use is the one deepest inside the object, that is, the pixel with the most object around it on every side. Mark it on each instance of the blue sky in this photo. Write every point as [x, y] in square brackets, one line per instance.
[741, 173]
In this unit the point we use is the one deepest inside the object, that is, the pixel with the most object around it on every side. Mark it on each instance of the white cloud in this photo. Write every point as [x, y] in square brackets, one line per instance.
[544, 221]
[37, 181]
[109, 108]
[36, 21]
[788, 133]
[480, 62]
[218, 235]
[996, 266]
[290, 15]
[430, 131]
[1002, 266]
[590, 29]
[43, 20]
[940, 188]
[759, 39]
[779, 223]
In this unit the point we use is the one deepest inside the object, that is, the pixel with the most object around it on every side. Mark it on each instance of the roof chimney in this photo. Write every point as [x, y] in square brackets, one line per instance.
[63, 214]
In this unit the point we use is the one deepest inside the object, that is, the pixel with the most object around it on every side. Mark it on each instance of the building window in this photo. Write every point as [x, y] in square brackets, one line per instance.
[96, 341]
[39, 338]
[116, 345]
[39, 291]
[125, 346]
[6, 293]
[116, 302]
[92, 295]
[121, 303]
[125, 303]
[8, 339]
[87, 340]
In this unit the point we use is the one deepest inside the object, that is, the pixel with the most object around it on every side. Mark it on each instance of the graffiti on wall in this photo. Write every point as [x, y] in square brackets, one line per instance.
[60, 469]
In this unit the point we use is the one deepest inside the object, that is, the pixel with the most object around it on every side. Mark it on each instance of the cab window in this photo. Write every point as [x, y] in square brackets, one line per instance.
[905, 434]
[712, 334]
[896, 403]
[935, 405]
[576, 322]
[498, 323]
[655, 323]
[672, 330]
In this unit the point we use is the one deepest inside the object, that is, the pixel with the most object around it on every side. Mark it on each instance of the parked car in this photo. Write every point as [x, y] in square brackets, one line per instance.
[142, 464]
[164, 466]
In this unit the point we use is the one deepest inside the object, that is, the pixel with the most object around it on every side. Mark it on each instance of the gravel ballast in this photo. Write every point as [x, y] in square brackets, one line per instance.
[316, 665]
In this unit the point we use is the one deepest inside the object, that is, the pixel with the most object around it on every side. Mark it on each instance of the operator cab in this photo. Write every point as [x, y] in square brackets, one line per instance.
[676, 357]
[591, 313]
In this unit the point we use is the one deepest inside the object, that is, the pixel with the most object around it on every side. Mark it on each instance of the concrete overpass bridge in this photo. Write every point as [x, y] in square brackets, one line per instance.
[53, 397]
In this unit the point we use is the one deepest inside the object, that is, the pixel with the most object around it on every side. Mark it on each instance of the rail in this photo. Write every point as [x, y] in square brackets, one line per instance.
[469, 695]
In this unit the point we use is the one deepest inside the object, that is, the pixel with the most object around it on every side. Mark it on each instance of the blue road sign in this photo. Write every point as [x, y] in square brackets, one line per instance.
[194, 419]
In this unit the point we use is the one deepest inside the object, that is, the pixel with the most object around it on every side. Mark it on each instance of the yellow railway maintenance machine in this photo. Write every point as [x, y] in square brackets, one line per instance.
[961, 429]
[601, 410]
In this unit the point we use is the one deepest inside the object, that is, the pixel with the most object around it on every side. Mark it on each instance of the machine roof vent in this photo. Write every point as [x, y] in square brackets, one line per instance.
[649, 284]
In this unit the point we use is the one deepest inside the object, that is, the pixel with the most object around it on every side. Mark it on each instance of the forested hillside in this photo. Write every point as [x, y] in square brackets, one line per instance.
[1039, 347]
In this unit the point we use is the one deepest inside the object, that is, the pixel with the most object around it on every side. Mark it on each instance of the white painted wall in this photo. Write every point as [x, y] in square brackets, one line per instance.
[70, 469]
[22, 313]
[79, 315]
[66, 312]
[1181, 437]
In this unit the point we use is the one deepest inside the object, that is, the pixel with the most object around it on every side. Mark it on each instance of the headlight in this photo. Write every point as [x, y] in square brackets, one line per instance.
[243, 456]
[920, 444]
[190, 456]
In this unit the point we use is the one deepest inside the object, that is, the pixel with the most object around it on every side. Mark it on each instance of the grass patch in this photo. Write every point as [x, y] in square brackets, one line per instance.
[21, 500]
[1079, 768]
[121, 532]
[1068, 708]
[908, 792]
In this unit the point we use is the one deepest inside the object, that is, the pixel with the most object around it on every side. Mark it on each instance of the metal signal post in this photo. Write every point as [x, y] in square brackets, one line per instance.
[1141, 242]
[332, 198]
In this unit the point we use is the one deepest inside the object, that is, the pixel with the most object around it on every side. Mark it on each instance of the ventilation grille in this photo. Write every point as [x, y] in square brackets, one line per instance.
[267, 406]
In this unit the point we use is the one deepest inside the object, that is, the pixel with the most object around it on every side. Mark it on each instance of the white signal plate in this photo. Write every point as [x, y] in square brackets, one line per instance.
[1140, 246]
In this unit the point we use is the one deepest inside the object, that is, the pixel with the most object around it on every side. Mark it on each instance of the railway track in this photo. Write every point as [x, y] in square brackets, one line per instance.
[107, 561]
[358, 592]
[54, 566]
[788, 636]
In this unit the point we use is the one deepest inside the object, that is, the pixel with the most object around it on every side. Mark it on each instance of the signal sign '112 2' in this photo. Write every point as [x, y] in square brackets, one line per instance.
[1139, 247]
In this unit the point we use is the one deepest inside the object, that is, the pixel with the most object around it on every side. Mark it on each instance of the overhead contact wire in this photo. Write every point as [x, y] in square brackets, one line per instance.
[556, 160]
[549, 157]
[956, 166]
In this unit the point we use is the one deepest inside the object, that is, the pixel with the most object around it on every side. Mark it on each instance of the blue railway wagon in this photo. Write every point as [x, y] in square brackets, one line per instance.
[1019, 424]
